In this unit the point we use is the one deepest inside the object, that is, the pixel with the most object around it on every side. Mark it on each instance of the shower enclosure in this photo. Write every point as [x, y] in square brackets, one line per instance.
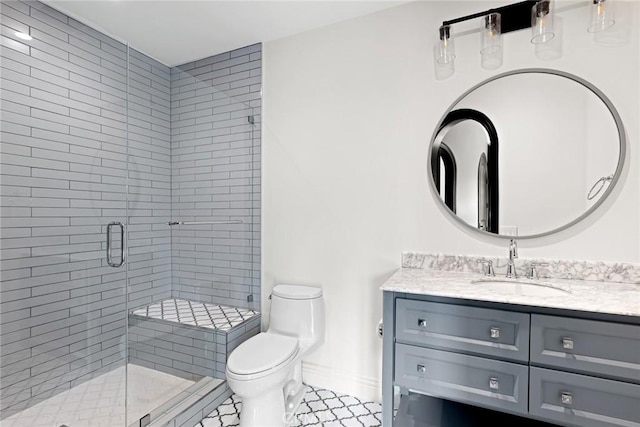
[129, 228]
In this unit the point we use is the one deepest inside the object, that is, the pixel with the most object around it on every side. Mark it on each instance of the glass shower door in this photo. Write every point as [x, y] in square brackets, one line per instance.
[193, 253]
[63, 180]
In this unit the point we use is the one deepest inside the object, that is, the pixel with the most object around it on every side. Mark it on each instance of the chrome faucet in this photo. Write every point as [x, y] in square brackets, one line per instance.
[489, 271]
[513, 254]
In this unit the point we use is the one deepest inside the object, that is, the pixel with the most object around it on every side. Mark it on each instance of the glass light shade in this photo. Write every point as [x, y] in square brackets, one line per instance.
[553, 49]
[444, 64]
[444, 54]
[446, 46]
[602, 16]
[491, 50]
[542, 22]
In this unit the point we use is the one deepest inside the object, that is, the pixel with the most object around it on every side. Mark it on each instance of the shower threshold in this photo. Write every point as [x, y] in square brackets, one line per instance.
[184, 405]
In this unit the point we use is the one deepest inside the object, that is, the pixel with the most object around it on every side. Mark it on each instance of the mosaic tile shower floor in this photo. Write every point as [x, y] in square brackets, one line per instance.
[319, 408]
[101, 402]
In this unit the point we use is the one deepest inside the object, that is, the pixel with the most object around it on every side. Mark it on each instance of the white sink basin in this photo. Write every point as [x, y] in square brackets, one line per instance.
[514, 287]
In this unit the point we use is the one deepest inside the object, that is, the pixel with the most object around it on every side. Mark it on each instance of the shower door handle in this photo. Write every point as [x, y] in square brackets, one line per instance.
[122, 244]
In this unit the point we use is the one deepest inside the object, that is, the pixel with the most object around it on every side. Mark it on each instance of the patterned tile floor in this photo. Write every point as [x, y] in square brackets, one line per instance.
[194, 313]
[319, 408]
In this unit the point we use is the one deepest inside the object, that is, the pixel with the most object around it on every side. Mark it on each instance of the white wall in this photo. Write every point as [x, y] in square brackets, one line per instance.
[349, 113]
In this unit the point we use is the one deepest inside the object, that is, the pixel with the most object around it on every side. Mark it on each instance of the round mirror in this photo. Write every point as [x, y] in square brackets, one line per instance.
[527, 153]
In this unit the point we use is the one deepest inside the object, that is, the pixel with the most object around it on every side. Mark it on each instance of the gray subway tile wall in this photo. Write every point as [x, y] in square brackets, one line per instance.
[64, 139]
[215, 160]
[94, 132]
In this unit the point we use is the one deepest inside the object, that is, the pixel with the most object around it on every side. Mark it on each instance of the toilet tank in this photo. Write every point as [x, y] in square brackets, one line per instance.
[298, 311]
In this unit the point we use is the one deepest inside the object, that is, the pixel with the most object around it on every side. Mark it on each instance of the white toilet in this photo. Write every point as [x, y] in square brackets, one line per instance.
[266, 370]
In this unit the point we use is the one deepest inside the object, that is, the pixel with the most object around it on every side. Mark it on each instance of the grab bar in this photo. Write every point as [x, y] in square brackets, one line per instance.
[122, 244]
[235, 221]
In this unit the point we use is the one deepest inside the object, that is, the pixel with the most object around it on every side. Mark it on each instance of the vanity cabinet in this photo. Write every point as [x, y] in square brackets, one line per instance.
[556, 368]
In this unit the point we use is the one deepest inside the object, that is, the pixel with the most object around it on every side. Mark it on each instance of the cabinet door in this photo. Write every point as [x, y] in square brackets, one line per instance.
[469, 379]
[583, 401]
[602, 348]
[496, 333]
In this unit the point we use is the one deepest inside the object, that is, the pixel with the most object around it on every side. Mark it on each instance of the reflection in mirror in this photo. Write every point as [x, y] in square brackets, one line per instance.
[527, 153]
[483, 193]
[445, 176]
[464, 167]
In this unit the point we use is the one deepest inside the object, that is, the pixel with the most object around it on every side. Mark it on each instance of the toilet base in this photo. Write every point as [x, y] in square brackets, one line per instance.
[294, 390]
[266, 410]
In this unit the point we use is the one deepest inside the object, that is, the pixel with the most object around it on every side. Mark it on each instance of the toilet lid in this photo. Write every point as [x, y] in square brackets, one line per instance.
[296, 292]
[261, 353]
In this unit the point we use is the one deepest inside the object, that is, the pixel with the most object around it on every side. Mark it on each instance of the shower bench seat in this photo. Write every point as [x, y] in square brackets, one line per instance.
[188, 339]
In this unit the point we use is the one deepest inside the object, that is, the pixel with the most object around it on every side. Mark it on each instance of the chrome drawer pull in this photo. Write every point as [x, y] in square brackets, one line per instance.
[422, 368]
[567, 343]
[495, 332]
[422, 323]
[494, 383]
[566, 398]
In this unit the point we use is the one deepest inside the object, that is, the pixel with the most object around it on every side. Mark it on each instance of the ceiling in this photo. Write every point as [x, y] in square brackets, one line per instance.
[180, 31]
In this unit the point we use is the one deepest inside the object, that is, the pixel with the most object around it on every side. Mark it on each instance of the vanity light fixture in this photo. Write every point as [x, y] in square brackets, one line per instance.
[23, 36]
[534, 14]
[601, 16]
[495, 23]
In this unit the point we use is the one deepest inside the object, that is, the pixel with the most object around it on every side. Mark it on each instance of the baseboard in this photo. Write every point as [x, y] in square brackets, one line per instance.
[364, 388]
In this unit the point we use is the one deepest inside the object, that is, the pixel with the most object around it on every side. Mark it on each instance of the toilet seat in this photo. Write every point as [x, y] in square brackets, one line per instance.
[261, 355]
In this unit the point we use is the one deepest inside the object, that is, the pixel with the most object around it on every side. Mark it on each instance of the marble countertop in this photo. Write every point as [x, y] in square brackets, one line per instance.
[581, 295]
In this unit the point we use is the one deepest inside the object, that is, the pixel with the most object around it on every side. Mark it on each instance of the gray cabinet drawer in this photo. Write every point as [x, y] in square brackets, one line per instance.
[585, 345]
[502, 334]
[583, 401]
[469, 379]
